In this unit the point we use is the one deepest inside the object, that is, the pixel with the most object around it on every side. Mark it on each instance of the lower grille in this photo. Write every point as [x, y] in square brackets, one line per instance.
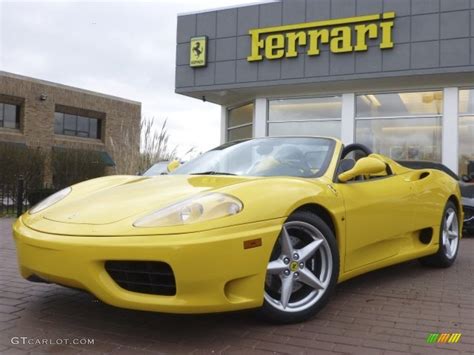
[151, 277]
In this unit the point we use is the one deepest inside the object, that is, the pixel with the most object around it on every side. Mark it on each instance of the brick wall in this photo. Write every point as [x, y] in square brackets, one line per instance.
[120, 128]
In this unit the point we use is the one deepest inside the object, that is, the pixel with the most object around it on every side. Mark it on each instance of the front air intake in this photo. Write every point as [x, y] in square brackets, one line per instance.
[150, 277]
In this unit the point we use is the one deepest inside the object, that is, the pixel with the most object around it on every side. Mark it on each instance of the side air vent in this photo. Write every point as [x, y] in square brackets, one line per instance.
[151, 277]
[426, 235]
[423, 175]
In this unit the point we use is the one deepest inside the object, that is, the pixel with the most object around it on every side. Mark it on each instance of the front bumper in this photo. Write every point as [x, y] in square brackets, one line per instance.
[213, 271]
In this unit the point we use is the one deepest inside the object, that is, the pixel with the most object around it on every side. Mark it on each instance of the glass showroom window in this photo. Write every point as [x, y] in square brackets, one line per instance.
[9, 116]
[319, 116]
[466, 132]
[404, 126]
[239, 122]
[79, 126]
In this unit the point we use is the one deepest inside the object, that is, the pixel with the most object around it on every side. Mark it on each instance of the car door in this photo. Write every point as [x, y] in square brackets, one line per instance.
[377, 218]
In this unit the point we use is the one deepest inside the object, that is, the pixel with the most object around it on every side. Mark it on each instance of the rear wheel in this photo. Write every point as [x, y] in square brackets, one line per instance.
[303, 270]
[448, 239]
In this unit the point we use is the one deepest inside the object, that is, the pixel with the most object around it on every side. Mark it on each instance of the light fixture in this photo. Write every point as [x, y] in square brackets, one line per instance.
[43, 97]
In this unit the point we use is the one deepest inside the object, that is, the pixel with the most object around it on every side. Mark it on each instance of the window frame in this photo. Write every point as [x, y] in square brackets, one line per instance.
[251, 123]
[76, 130]
[17, 116]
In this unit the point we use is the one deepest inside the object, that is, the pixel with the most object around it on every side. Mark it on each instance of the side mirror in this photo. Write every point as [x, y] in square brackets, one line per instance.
[173, 165]
[466, 178]
[363, 166]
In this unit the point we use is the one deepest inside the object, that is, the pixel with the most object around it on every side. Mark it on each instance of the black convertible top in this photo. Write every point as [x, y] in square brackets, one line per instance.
[419, 164]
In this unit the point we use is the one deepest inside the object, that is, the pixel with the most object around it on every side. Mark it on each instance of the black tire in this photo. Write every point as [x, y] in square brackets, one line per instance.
[442, 259]
[269, 310]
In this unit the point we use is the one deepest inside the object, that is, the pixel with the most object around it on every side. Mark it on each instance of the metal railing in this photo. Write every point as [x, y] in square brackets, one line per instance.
[13, 201]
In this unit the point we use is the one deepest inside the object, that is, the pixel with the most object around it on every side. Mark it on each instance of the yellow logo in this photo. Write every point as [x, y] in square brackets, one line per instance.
[284, 41]
[198, 52]
[294, 266]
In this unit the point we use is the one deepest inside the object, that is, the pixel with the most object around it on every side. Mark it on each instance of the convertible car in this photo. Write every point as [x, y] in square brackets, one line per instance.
[266, 223]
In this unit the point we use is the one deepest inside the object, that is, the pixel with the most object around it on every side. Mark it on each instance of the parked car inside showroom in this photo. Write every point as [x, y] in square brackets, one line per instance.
[268, 223]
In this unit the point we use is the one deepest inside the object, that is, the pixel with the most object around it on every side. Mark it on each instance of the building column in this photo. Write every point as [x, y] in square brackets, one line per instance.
[450, 136]
[223, 132]
[260, 118]
[348, 118]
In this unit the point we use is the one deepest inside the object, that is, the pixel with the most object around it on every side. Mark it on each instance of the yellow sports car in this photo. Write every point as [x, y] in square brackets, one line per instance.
[267, 223]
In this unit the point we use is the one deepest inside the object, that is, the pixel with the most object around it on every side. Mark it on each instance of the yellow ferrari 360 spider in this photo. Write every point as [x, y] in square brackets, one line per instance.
[267, 223]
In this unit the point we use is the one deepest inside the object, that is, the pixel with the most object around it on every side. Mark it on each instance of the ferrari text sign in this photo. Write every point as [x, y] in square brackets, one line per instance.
[198, 52]
[341, 35]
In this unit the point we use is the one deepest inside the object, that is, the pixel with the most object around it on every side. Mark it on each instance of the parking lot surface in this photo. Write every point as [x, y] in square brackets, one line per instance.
[390, 311]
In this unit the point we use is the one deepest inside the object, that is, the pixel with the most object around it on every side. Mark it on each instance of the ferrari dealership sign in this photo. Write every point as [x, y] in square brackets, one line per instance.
[341, 35]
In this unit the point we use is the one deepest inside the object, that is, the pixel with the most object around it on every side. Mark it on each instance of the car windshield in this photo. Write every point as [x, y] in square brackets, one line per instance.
[295, 156]
[157, 169]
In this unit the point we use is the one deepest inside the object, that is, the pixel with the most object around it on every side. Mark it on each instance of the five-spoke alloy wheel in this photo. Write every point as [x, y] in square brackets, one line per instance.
[448, 239]
[302, 270]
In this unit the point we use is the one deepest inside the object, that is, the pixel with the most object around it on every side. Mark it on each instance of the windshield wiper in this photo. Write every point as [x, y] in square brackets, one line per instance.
[212, 172]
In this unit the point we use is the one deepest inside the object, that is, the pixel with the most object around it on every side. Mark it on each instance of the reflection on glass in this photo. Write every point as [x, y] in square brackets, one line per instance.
[10, 116]
[240, 115]
[466, 143]
[305, 109]
[466, 101]
[239, 133]
[402, 139]
[309, 128]
[400, 104]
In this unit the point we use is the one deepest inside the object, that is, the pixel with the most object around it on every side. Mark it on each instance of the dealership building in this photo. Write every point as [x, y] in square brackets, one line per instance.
[396, 75]
[55, 118]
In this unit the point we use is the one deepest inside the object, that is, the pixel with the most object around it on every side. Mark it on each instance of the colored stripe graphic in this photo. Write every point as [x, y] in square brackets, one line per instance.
[450, 338]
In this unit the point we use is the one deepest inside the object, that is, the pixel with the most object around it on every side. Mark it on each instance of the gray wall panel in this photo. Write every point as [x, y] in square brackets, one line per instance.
[343, 8]
[226, 48]
[366, 7]
[342, 64]
[455, 24]
[318, 10]
[225, 72]
[425, 27]
[292, 67]
[368, 62]
[455, 5]
[425, 55]
[246, 71]
[270, 15]
[269, 70]
[186, 28]
[243, 45]
[205, 76]
[226, 23]
[317, 66]
[455, 52]
[206, 24]
[397, 59]
[294, 11]
[401, 7]
[247, 18]
[184, 76]
[424, 6]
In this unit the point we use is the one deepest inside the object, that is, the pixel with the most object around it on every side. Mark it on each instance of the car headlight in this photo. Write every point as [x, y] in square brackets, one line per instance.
[51, 200]
[195, 209]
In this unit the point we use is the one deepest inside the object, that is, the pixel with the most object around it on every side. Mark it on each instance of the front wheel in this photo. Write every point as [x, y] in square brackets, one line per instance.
[303, 270]
[448, 239]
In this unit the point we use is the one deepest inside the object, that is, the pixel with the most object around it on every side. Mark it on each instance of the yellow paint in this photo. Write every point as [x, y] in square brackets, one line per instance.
[283, 41]
[375, 225]
[198, 52]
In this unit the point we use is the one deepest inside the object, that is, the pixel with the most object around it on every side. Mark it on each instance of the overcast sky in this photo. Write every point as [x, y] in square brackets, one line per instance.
[121, 48]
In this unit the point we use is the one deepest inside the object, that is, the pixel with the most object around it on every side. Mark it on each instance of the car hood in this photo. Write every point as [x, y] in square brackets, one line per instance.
[109, 206]
[134, 197]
